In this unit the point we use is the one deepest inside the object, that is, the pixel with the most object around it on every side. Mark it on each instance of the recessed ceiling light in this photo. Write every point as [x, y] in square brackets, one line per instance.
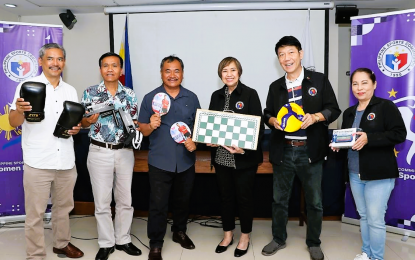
[10, 5]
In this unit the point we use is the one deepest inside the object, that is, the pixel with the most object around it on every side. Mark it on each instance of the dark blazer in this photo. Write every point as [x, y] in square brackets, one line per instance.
[323, 101]
[377, 158]
[251, 106]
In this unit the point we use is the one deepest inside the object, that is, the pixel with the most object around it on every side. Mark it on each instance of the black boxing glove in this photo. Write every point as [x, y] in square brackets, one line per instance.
[71, 115]
[35, 94]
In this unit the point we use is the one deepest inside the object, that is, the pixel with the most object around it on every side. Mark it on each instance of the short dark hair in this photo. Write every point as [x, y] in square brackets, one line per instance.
[169, 59]
[369, 72]
[48, 46]
[225, 62]
[110, 54]
[288, 41]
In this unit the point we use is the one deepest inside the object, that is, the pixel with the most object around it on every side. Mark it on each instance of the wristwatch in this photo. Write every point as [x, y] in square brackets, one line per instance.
[317, 118]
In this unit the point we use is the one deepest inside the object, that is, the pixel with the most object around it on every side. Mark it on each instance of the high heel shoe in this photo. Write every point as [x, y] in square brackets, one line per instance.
[221, 249]
[239, 252]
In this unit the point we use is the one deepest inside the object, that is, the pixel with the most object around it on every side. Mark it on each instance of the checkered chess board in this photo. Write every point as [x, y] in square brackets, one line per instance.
[213, 127]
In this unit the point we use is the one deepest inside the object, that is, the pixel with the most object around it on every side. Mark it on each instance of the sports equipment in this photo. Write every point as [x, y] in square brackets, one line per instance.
[180, 131]
[71, 116]
[161, 103]
[133, 136]
[35, 94]
[213, 127]
[290, 117]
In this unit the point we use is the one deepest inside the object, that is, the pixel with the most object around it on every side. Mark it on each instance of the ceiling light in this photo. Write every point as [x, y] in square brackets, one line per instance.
[10, 5]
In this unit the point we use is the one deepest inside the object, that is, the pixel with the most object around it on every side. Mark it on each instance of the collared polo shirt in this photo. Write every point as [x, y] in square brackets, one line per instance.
[41, 149]
[110, 129]
[164, 152]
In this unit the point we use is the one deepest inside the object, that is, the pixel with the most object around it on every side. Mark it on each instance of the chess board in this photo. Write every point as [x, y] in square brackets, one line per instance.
[214, 127]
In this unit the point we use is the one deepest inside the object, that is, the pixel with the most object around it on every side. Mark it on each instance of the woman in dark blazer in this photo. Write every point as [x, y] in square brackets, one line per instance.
[236, 168]
[371, 162]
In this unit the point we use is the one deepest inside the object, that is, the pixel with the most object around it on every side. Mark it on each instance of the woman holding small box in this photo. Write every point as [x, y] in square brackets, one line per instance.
[371, 162]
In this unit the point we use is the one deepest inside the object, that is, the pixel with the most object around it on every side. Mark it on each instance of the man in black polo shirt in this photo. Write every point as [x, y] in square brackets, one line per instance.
[300, 153]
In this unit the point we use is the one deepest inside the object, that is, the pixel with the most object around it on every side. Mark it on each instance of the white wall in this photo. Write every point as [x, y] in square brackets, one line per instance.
[203, 39]
[333, 58]
[84, 44]
[90, 38]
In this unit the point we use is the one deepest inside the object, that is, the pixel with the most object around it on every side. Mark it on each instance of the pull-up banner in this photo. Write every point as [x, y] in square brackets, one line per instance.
[19, 52]
[385, 43]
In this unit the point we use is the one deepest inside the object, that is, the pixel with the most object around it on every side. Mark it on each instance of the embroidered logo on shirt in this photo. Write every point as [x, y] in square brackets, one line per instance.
[239, 105]
[371, 116]
[312, 91]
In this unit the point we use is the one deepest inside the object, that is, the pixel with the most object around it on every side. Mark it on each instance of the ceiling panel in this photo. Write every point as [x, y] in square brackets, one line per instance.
[51, 7]
[147, 2]
[73, 3]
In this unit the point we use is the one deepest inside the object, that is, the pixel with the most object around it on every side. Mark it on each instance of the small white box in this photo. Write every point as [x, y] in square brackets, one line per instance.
[344, 138]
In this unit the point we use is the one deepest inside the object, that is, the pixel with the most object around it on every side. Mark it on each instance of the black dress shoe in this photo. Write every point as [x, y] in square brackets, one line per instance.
[221, 249]
[155, 254]
[239, 252]
[104, 253]
[181, 238]
[129, 249]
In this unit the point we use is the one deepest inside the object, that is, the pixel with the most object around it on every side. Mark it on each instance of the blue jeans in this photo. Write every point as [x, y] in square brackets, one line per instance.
[296, 162]
[371, 198]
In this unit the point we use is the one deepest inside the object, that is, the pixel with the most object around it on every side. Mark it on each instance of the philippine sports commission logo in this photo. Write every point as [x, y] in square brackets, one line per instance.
[396, 58]
[19, 65]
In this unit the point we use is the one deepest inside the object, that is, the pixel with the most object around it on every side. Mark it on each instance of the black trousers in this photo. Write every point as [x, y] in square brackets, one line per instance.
[236, 186]
[161, 182]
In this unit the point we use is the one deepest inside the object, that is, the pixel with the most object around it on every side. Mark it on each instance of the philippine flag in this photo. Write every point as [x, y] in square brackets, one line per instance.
[126, 77]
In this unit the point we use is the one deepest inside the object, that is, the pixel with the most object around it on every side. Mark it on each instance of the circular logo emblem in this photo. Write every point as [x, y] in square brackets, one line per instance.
[20, 65]
[239, 105]
[371, 116]
[396, 58]
[312, 91]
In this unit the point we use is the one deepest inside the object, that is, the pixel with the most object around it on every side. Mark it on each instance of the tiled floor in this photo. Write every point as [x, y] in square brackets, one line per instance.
[339, 242]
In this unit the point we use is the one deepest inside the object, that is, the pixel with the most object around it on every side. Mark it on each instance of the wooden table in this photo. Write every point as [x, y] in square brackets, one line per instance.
[203, 166]
[202, 163]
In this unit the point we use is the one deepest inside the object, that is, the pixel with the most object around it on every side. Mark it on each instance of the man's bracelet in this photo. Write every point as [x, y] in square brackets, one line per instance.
[317, 118]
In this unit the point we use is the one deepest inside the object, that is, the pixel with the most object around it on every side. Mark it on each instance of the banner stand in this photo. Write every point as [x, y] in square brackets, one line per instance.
[21, 218]
[19, 50]
[385, 44]
[406, 233]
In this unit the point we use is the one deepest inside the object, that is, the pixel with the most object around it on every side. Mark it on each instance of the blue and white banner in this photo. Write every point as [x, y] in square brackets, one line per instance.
[19, 48]
[384, 43]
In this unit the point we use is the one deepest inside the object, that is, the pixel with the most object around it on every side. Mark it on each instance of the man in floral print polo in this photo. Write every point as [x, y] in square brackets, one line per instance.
[110, 163]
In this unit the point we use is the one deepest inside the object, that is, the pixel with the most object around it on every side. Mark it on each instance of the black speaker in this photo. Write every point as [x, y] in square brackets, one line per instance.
[68, 19]
[344, 12]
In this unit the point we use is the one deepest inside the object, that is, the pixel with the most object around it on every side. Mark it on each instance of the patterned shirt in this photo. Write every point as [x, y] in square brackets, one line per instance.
[109, 129]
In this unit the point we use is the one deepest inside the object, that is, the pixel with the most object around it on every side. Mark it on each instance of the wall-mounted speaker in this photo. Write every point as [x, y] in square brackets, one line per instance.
[68, 19]
[344, 12]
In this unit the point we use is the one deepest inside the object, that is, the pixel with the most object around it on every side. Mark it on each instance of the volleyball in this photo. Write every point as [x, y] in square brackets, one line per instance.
[290, 117]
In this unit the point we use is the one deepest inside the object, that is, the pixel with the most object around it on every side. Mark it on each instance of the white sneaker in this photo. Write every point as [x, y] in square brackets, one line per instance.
[362, 256]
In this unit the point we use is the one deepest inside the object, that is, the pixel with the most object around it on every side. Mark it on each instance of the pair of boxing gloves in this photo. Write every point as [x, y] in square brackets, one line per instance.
[35, 93]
